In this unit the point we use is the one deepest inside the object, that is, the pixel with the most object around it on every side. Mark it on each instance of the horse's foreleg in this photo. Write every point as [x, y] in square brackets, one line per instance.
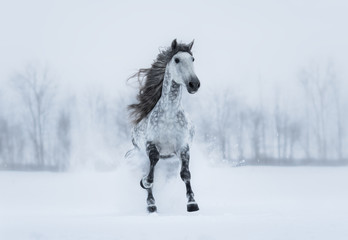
[147, 181]
[186, 177]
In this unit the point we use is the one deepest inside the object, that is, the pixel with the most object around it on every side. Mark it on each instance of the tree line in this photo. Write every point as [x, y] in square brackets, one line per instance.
[307, 130]
[41, 128]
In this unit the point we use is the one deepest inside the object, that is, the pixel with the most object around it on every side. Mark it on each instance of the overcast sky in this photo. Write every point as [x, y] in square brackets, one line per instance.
[251, 46]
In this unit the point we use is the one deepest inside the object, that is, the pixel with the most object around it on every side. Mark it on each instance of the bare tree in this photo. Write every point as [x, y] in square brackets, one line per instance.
[63, 146]
[223, 118]
[321, 94]
[36, 88]
[294, 129]
[287, 132]
[278, 126]
[256, 119]
[240, 136]
[11, 144]
[3, 131]
[337, 103]
[315, 91]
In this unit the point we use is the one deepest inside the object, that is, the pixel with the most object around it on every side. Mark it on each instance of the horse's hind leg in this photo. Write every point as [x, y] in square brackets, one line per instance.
[186, 177]
[147, 181]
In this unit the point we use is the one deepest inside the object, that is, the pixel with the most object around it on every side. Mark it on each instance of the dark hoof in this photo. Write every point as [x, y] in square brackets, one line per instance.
[151, 208]
[192, 207]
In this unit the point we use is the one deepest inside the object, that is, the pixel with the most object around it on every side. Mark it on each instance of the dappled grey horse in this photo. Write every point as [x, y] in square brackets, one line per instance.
[161, 127]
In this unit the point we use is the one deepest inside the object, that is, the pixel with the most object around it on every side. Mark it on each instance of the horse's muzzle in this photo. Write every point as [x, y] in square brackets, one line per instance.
[193, 85]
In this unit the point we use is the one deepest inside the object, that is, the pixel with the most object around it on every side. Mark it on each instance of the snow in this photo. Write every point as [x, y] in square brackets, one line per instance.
[236, 203]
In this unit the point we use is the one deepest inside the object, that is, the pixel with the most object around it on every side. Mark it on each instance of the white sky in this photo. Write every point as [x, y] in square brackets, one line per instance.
[252, 46]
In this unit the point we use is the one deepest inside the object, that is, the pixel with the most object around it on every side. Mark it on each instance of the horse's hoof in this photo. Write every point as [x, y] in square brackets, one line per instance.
[192, 207]
[146, 185]
[151, 208]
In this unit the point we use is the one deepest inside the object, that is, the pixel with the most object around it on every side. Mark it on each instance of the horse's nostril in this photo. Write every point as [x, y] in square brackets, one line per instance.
[191, 85]
[198, 85]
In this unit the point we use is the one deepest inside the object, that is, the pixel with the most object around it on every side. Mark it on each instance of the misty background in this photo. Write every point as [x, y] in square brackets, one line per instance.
[273, 79]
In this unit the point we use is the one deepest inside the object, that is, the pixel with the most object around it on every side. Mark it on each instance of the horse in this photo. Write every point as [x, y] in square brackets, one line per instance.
[161, 128]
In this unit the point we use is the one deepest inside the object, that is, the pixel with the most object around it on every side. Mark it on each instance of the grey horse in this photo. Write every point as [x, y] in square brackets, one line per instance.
[161, 127]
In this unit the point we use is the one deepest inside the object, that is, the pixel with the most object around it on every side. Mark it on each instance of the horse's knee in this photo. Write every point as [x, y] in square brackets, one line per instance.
[185, 159]
[185, 175]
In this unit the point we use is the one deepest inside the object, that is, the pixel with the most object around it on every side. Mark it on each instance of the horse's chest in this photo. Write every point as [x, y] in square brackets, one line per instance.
[169, 131]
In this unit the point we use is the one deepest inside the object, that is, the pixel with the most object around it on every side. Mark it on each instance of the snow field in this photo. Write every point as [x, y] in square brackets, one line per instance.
[236, 203]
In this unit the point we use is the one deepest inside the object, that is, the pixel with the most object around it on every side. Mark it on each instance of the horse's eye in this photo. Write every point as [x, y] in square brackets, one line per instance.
[177, 60]
[193, 59]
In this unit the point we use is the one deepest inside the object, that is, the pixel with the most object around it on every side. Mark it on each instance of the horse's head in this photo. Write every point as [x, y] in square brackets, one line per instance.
[181, 68]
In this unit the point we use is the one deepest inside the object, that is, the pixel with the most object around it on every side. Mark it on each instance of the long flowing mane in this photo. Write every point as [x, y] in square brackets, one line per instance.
[151, 81]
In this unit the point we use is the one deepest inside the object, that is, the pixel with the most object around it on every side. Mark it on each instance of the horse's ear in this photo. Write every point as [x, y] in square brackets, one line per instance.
[191, 44]
[174, 43]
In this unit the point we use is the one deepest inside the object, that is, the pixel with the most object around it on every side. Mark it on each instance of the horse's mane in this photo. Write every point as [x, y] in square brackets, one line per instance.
[151, 81]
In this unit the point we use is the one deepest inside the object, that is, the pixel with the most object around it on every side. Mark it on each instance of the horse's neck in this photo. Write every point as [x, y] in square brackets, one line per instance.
[171, 93]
